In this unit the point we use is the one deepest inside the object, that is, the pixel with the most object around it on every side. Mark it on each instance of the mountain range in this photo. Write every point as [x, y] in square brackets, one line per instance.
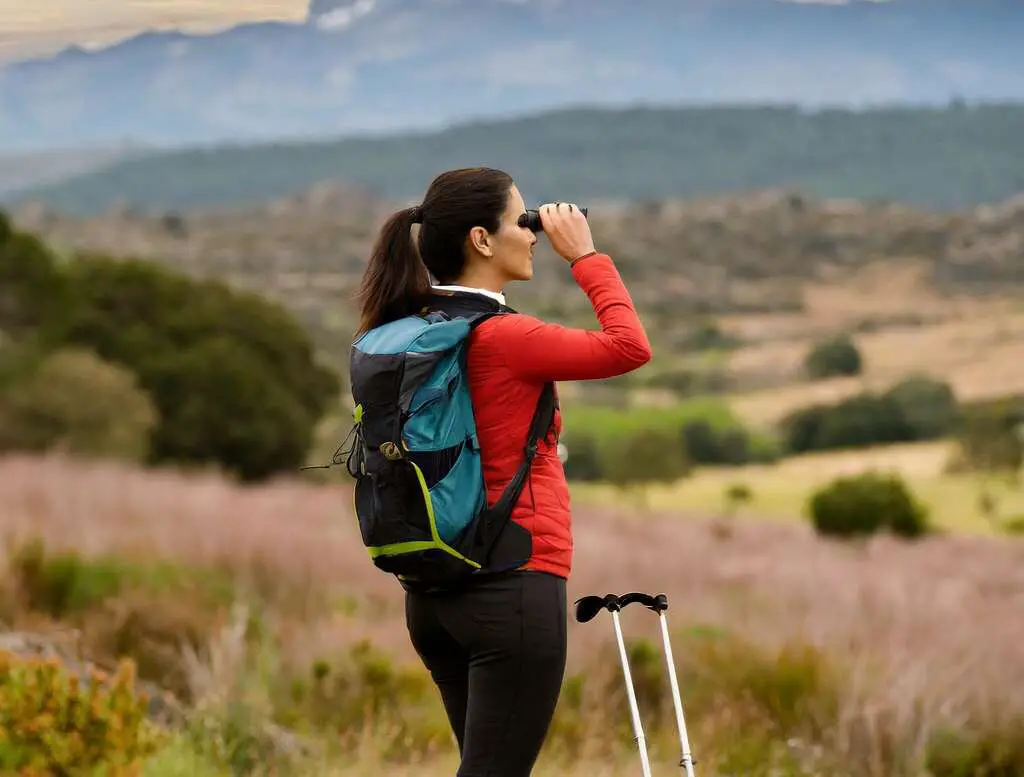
[385, 66]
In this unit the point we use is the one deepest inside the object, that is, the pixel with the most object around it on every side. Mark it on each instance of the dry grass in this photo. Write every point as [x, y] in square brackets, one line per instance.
[780, 491]
[930, 633]
[974, 343]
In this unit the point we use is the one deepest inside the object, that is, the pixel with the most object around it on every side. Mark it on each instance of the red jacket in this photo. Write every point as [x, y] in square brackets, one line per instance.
[510, 359]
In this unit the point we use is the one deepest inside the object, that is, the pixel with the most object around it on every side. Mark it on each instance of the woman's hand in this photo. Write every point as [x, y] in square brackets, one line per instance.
[567, 229]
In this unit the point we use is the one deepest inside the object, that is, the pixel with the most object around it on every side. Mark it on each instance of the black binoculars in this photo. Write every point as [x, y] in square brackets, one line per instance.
[531, 220]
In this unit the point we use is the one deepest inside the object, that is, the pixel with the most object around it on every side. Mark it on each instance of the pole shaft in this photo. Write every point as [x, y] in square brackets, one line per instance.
[677, 701]
[634, 709]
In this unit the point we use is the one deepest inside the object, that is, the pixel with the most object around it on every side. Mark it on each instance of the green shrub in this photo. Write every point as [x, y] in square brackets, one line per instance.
[52, 722]
[610, 423]
[987, 435]
[689, 381]
[234, 376]
[997, 753]
[645, 457]
[1013, 526]
[860, 421]
[220, 403]
[927, 406]
[77, 402]
[710, 446]
[708, 433]
[773, 696]
[33, 290]
[584, 461]
[366, 691]
[62, 583]
[19, 360]
[861, 505]
[915, 409]
[834, 357]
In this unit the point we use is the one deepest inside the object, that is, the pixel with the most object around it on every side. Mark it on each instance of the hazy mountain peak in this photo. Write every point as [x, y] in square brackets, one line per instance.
[420, 64]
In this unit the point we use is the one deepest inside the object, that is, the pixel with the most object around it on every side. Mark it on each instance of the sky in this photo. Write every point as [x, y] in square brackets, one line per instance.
[36, 27]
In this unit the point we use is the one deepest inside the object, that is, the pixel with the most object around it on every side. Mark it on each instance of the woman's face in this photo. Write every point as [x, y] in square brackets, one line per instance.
[511, 247]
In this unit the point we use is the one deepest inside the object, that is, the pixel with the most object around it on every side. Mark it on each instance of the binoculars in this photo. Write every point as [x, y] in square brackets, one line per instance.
[531, 220]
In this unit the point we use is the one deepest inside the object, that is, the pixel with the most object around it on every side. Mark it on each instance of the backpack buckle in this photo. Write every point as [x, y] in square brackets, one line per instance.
[391, 451]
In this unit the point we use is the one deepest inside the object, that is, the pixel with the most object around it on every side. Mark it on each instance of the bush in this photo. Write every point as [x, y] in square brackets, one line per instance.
[928, 407]
[918, 408]
[987, 435]
[689, 381]
[861, 505]
[708, 434]
[233, 376]
[584, 461]
[859, 421]
[54, 723]
[77, 402]
[33, 290]
[708, 445]
[834, 357]
[221, 403]
[996, 753]
[644, 457]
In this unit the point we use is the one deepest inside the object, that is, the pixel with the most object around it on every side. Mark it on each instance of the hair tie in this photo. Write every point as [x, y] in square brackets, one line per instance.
[417, 215]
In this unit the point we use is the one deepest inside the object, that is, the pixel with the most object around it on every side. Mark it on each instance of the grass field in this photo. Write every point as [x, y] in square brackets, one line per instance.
[780, 491]
[975, 345]
[797, 656]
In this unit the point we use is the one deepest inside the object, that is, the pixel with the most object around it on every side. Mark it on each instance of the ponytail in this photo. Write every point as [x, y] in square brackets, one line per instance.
[396, 281]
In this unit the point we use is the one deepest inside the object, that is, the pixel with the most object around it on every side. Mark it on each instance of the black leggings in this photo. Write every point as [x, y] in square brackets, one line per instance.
[497, 653]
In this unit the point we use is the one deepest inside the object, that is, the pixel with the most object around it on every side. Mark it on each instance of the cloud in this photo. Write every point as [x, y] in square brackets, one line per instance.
[552, 66]
[833, 78]
[835, 2]
[343, 17]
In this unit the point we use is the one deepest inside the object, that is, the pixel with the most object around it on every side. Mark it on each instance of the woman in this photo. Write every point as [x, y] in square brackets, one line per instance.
[497, 649]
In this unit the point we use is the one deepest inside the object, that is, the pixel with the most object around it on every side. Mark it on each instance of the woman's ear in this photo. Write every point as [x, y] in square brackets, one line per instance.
[480, 241]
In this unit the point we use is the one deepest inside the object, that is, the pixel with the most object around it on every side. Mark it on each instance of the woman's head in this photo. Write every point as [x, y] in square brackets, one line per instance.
[468, 235]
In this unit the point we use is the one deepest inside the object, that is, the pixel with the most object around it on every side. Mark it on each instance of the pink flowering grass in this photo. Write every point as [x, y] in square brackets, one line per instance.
[919, 637]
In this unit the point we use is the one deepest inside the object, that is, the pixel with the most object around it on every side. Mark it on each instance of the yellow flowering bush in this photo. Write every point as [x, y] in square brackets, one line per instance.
[54, 724]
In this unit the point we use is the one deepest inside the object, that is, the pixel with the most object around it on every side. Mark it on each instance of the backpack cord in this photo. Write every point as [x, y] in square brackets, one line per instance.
[341, 453]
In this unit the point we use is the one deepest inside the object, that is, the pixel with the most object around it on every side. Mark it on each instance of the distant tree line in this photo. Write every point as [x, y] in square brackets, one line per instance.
[951, 157]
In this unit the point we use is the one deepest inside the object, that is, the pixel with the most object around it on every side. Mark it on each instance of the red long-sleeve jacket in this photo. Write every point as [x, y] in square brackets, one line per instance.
[510, 359]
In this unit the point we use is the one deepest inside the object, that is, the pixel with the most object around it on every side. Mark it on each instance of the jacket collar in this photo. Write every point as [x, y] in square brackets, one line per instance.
[458, 302]
[495, 295]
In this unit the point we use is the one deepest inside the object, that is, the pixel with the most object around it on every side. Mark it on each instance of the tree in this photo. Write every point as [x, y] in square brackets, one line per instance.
[836, 356]
[76, 402]
[234, 376]
[33, 290]
[644, 457]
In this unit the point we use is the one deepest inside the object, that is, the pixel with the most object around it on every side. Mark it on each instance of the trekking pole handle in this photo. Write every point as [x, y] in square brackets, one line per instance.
[657, 603]
[588, 607]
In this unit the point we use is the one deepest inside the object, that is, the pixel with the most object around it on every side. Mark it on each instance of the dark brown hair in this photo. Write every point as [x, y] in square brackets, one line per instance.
[396, 282]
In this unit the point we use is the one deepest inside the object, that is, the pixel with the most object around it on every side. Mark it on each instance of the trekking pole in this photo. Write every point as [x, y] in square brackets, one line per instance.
[659, 604]
[586, 609]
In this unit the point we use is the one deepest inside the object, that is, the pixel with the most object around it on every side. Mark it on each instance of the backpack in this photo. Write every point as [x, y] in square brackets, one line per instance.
[420, 497]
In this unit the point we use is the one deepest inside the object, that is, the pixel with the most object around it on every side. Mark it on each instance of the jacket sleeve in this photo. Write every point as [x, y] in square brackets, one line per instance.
[536, 350]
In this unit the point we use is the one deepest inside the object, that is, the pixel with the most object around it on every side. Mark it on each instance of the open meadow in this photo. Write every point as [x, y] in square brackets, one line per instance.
[800, 342]
[258, 606]
[779, 492]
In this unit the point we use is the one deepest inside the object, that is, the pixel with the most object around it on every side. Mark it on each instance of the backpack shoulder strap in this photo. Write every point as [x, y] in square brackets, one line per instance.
[496, 516]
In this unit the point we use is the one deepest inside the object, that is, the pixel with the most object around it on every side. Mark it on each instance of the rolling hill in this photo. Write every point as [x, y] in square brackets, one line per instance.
[731, 288]
[951, 157]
